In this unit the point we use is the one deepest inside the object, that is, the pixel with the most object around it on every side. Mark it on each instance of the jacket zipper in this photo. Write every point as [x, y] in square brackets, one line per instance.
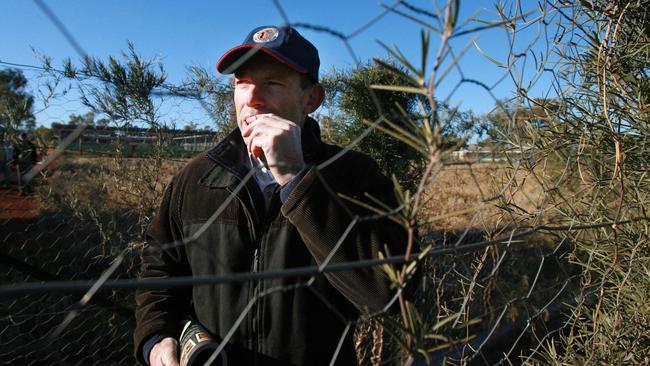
[256, 260]
[253, 287]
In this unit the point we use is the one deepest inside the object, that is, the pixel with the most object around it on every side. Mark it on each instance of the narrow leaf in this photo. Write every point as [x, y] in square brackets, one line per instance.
[395, 52]
[406, 117]
[367, 206]
[412, 18]
[404, 132]
[403, 139]
[486, 56]
[424, 36]
[491, 25]
[399, 88]
[455, 60]
[415, 81]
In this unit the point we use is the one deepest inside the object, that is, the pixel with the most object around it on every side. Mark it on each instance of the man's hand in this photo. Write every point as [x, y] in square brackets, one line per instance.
[164, 353]
[276, 141]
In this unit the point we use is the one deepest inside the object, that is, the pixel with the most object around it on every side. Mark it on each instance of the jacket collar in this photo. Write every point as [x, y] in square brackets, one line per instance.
[233, 162]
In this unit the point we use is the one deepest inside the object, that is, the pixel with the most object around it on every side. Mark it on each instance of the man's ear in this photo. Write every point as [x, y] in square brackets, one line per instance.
[316, 94]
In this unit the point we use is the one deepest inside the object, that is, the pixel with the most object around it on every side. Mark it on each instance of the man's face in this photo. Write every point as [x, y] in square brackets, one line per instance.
[264, 85]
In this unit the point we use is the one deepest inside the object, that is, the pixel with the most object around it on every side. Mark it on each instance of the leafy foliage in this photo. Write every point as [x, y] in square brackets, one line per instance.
[349, 92]
[125, 95]
[15, 103]
[362, 97]
[599, 131]
[215, 96]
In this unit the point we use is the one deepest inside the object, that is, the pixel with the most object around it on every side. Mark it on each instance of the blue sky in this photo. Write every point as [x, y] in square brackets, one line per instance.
[186, 33]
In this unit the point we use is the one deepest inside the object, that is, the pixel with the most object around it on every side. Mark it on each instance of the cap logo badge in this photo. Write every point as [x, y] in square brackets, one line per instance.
[266, 35]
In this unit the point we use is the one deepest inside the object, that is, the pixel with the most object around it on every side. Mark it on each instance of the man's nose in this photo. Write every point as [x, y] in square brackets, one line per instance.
[255, 96]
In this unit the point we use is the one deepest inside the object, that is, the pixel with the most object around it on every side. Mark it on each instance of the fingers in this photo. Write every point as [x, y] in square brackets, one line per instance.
[163, 353]
[256, 139]
[268, 119]
[263, 131]
[277, 142]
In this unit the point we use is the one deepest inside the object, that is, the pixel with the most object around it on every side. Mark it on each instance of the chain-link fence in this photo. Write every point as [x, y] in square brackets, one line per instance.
[529, 250]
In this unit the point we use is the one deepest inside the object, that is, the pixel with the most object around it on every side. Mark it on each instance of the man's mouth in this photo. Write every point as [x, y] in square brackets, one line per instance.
[247, 116]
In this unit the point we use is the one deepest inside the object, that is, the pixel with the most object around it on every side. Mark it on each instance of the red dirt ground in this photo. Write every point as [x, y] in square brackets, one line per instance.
[15, 206]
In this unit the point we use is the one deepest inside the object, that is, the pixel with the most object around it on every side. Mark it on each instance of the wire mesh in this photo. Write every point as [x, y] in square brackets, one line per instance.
[495, 233]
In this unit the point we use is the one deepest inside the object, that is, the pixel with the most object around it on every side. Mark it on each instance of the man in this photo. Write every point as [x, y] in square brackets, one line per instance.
[289, 214]
[6, 159]
[28, 149]
[26, 156]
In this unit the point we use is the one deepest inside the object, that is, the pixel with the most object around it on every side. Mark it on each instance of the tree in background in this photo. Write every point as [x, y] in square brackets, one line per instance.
[15, 103]
[512, 123]
[191, 126]
[128, 92]
[361, 108]
[44, 136]
[82, 119]
[215, 97]
[351, 106]
[124, 91]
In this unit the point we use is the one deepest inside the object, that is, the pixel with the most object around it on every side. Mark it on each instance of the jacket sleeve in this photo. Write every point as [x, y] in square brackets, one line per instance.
[159, 311]
[322, 217]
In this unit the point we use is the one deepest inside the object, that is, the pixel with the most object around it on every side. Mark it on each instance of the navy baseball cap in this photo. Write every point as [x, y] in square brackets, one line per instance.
[283, 43]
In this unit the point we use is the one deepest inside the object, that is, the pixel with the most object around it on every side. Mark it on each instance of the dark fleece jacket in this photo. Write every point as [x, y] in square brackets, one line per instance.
[286, 320]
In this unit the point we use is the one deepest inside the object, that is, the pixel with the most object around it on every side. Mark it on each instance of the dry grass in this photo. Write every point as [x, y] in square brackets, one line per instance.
[108, 182]
[462, 196]
[458, 197]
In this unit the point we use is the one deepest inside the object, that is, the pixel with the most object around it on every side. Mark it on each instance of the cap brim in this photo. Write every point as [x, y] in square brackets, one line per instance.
[236, 57]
